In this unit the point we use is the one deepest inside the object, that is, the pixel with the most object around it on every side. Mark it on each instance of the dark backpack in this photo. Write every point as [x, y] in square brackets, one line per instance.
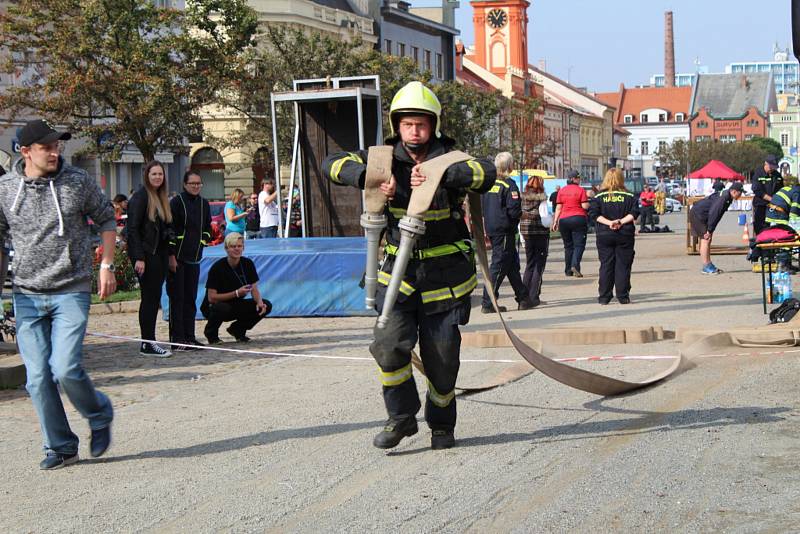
[784, 312]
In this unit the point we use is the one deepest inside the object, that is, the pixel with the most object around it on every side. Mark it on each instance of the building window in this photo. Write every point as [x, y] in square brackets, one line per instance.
[645, 149]
[415, 55]
[628, 119]
[702, 124]
[680, 117]
[426, 63]
[387, 46]
[643, 118]
[727, 138]
[662, 146]
[629, 147]
[748, 137]
[401, 49]
[784, 139]
[752, 123]
[662, 117]
[439, 67]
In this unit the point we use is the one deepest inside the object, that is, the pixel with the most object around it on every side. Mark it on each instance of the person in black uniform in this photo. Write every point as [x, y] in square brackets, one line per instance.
[434, 298]
[191, 222]
[704, 216]
[614, 209]
[766, 182]
[502, 209]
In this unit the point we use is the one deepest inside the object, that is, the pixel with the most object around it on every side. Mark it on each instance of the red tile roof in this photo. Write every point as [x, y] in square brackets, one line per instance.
[634, 101]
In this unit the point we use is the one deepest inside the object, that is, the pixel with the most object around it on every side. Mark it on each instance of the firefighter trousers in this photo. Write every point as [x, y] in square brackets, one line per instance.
[439, 347]
[615, 252]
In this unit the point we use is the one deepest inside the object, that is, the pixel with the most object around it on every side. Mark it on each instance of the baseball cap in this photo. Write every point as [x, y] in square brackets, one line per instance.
[771, 160]
[573, 174]
[737, 186]
[39, 131]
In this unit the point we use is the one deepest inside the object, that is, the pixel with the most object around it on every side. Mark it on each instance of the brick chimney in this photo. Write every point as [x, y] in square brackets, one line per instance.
[669, 51]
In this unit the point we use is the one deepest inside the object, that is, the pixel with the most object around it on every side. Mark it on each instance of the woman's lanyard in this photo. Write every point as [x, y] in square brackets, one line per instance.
[240, 273]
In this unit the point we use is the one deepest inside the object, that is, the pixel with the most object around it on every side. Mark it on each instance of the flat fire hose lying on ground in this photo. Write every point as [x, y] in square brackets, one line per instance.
[577, 378]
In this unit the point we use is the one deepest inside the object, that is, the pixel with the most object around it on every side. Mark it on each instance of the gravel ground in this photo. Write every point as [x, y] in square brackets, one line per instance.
[252, 443]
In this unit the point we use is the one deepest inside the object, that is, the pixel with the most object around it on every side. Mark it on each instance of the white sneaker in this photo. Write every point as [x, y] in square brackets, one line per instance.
[151, 349]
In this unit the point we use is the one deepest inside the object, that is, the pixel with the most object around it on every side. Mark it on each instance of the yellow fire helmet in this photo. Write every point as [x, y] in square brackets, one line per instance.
[415, 97]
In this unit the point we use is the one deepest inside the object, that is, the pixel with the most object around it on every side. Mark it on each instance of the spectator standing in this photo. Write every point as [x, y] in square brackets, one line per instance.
[648, 200]
[149, 234]
[571, 220]
[704, 217]
[661, 197]
[717, 186]
[536, 236]
[46, 202]
[614, 210]
[554, 198]
[235, 213]
[191, 220]
[295, 220]
[230, 281]
[502, 208]
[766, 182]
[253, 225]
[268, 208]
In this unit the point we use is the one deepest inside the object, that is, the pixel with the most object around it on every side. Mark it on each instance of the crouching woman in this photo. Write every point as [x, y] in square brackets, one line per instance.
[230, 281]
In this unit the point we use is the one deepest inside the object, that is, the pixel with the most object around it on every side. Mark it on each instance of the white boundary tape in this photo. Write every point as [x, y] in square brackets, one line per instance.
[369, 359]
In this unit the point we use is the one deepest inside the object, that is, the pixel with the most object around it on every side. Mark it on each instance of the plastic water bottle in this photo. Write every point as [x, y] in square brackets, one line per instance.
[787, 286]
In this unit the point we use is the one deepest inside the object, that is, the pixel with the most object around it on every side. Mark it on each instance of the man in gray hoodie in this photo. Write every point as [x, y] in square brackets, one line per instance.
[44, 206]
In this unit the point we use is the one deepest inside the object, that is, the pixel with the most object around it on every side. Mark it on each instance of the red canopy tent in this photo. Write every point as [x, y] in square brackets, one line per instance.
[716, 169]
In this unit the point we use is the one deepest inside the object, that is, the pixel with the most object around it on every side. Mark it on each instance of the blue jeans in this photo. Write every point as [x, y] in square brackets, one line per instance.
[50, 330]
[269, 231]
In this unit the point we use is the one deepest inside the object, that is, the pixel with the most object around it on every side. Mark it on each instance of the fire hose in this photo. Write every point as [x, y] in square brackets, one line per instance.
[412, 226]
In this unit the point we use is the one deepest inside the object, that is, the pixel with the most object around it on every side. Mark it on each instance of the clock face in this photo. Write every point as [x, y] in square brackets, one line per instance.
[497, 18]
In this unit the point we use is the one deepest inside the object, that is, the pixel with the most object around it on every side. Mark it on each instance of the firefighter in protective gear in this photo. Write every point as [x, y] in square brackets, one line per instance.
[614, 211]
[502, 209]
[784, 208]
[766, 182]
[435, 293]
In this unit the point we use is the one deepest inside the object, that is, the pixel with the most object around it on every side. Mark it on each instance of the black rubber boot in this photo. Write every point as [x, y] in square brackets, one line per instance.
[442, 439]
[394, 431]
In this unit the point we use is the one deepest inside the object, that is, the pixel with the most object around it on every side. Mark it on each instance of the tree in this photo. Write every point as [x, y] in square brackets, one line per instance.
[122, 71]
[684, 155]
[768, 145]
[471, 117]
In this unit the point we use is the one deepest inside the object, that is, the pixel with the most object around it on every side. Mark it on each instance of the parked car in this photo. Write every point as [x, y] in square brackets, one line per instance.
[671, 205]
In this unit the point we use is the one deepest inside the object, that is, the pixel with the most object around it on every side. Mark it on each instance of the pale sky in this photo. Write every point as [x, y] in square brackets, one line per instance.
[598, 44]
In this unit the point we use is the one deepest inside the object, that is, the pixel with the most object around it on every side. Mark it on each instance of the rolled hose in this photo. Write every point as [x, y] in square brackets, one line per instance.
[373, 225]
[410, 230]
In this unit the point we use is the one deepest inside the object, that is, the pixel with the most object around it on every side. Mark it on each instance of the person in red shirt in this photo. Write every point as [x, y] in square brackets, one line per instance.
[572, 221]
[648, 200]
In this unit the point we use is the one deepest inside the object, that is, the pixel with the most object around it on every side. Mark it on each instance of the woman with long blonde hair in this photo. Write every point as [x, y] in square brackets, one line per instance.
[536, 235]
[614, 209]
[235, 213]
[149, 235]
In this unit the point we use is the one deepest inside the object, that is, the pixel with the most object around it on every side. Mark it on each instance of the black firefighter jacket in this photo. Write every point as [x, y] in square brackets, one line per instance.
[502, 207]
[191, 223]
[442, 269]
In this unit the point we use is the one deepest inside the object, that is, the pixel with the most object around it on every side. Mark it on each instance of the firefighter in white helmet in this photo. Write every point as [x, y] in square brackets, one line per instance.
[435, 294]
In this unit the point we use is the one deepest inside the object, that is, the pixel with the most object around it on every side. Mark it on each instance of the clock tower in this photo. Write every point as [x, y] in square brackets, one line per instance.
[501, 35]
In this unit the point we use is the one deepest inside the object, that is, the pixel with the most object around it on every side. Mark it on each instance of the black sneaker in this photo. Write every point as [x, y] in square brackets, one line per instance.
[54, 460]
[624, 300]
[576, 273]
[527, 304]
[603, 301]
[213, 340]
[490, 309]
[442, 439]
[394, 431]
[152, 349]
[194, 342]
[101, 441]
[241, 338]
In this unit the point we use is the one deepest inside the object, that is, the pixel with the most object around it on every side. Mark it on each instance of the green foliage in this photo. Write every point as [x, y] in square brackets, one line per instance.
[471, 117]
[743, 157]
[122, 71]
[768, 145]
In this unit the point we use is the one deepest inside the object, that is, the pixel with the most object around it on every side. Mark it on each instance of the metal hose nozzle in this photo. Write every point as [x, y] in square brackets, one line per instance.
[410, 230]
[373, 225]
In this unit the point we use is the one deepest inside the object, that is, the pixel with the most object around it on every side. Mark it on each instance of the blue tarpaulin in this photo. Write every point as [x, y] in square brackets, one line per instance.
[301, 276]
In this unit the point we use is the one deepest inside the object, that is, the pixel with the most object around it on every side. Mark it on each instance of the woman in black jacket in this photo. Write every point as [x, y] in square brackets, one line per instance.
[149, 235]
